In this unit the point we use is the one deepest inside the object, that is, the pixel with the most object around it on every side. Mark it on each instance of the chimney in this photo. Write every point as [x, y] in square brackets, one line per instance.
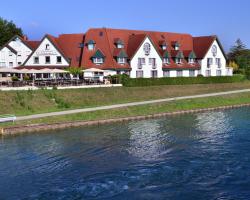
[25, 37]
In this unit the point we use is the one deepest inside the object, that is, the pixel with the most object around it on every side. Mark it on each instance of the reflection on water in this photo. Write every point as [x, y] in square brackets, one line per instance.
[145, 139]
[200, 156]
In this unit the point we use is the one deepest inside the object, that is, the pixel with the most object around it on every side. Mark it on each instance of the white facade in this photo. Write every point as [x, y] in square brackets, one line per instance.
[215, 68]
[46, 55]
[148, 69]
[10, 59]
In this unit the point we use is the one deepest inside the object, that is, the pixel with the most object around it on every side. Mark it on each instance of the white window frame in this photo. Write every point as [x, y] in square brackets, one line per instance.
[34, 61]
[178, 61]
[218, 62]
[152, 61]
[191, 73]
[141, 62]
[49, 60]
[155, 72]
[209, 62]
[47, 47]
[166, 60]
[57, 60]
[120, 46]
[166, 73]
[139, 74]
[208, 73]
[91, 47]
[10, 53]
[121, 60]
[179, 73]
[218, 72]
[191, 60]
[11, 64]
[98, 60]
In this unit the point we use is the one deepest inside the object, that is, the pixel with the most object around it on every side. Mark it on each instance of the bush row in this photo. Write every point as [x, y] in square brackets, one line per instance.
[139, 82]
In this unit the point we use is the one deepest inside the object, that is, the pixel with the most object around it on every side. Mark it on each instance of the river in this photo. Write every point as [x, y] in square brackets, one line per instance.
[192, 156]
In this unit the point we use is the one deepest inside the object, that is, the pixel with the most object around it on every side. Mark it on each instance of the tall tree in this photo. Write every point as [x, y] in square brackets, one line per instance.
[7, 30]
[236, 50]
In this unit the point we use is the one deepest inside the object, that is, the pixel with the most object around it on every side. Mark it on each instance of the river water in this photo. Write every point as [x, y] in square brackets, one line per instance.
[196, 156]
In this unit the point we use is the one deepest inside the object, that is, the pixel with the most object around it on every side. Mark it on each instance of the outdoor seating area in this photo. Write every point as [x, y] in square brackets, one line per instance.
[51, 78]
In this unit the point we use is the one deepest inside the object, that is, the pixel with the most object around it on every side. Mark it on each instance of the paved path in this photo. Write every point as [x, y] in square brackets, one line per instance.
[127, 105]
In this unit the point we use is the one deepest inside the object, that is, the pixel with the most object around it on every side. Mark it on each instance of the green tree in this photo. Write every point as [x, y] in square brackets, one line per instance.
[75, 70]
[236, 50]
[7, 30]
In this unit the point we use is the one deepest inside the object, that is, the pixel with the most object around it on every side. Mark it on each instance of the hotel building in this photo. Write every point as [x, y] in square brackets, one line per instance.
[137, 53]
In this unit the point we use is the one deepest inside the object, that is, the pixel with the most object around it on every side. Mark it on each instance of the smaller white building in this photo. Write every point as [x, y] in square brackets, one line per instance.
[15, 52]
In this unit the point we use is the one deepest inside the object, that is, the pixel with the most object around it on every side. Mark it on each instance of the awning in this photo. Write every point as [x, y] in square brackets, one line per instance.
[8, 70]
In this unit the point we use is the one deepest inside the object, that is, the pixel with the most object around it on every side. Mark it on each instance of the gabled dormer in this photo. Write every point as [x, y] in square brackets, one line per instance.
[121, 57]
[176, 45]
[91, 45]
[98, 57]
[166, 57]
[119, 43]
[192, 57]
[163, 45]
[179, 57]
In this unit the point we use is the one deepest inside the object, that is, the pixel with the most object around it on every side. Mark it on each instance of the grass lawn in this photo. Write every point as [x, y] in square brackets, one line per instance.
[42, 101]
[145, 109]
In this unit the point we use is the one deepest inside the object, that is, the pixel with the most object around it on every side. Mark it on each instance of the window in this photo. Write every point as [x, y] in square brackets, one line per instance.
[121, 60]
[19, 54]
[11, 64]
[19, 63]
[47, 59]
[164, 47]
[47, 47]
[218, 62]
[152, 61]
[178, 60]
[209, 62]
[2, 64]
[91, 47]
[10, 53]
[218, 72]
[58, 59]
[120, 46]
[191, 73]
[147, 49]
[141, 61]
[191, 60]
[98, 60]
[179, 73]
[36, 60]
[166, 60]
[208, 72]
[166, 73]
[139, 74]
[154, 73]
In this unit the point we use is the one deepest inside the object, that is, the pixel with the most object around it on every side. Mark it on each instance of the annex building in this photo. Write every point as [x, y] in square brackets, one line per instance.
[113, 51]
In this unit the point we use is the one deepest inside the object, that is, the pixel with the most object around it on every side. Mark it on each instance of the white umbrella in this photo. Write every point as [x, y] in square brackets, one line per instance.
[93, 70]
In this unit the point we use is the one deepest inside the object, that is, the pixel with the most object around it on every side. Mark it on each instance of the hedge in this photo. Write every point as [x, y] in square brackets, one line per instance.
[140, 82]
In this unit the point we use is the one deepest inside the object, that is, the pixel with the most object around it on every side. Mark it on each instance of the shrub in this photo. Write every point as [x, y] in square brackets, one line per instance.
[247, 73]
[140, 82]
[14, 78]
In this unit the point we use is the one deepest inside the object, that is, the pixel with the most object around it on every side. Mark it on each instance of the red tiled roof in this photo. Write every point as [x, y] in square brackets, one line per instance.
[132, 39]
[202, 45]
[32, 44]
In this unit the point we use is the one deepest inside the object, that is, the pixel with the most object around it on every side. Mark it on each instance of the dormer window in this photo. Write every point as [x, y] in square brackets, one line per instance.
[166, 58]
[98, 57]
[163, 45]
[98, 60]
[191, 58]
[91, 45]
[119, 44]
[121, 57]
[179, 57]
[121, 60]
[47, 47]
[177, 46]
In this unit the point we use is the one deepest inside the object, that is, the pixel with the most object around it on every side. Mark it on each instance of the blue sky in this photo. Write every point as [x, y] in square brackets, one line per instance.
[229, 19]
